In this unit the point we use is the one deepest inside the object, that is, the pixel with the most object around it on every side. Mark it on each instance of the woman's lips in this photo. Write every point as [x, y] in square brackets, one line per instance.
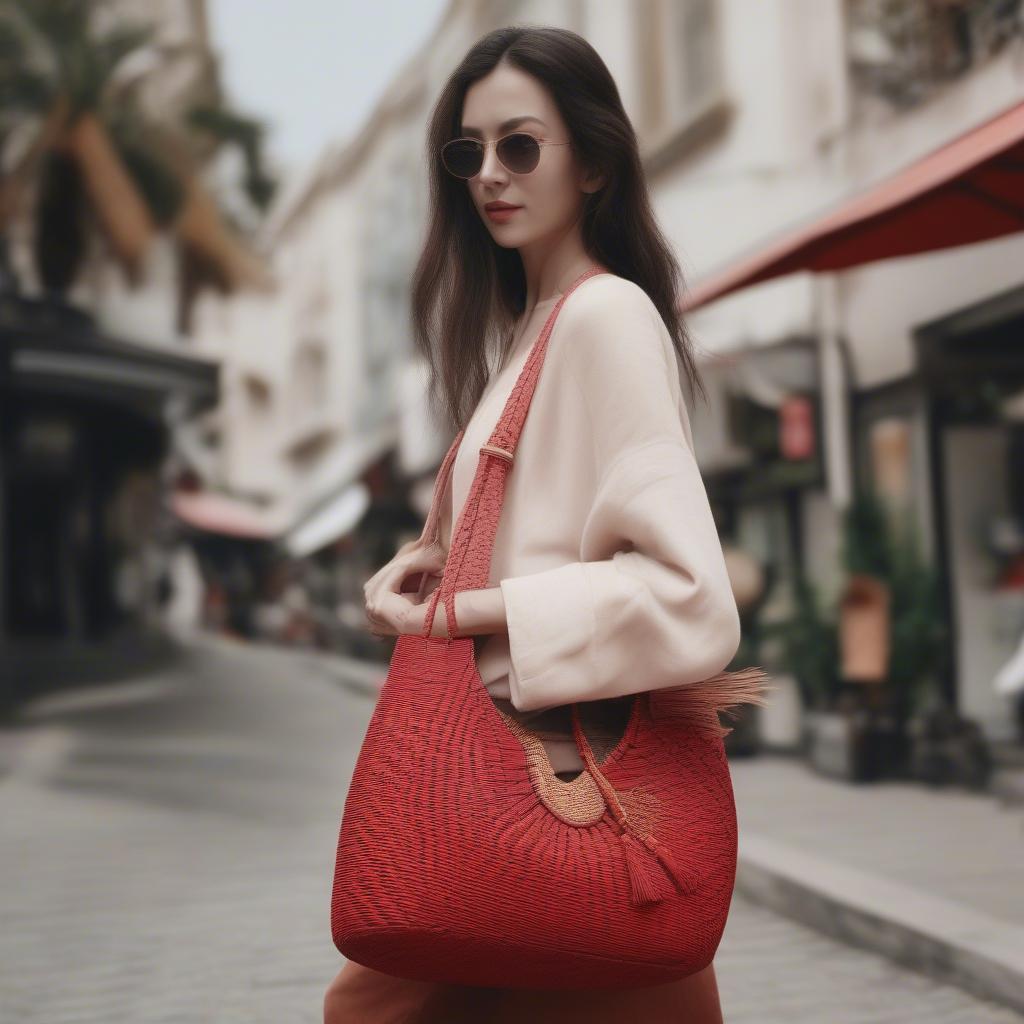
[502, 214]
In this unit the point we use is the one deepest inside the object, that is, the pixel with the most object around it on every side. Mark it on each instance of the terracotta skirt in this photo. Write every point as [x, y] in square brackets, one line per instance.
[360, 995]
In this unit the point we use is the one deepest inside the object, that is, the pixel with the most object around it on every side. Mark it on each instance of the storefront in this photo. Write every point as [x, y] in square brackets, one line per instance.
[971, 366]
[945, 438]
[948, 439]
[84, 427]
[759, 448]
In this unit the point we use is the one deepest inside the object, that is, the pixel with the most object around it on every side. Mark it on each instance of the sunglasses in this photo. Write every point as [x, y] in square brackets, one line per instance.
[518, 152]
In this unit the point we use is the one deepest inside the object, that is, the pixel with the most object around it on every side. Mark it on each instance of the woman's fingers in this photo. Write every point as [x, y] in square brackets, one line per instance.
[388, 580]
[390, 614]
[428, 561]
[383, 590]
[392, 577]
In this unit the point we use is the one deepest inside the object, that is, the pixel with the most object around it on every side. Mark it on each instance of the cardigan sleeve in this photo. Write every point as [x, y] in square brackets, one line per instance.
[649, 604]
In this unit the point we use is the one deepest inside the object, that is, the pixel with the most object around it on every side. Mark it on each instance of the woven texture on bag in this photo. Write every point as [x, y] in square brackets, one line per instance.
[463, 859]
[463, 874]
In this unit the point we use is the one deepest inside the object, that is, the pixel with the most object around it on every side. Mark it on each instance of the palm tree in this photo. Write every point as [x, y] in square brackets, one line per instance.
[89, 150]
[247, 134]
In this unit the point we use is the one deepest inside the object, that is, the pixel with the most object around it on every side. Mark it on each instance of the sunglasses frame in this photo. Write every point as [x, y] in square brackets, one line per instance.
[494, 142]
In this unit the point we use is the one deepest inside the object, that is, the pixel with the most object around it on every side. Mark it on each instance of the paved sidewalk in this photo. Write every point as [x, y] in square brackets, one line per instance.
[168, 846]
[930, 878]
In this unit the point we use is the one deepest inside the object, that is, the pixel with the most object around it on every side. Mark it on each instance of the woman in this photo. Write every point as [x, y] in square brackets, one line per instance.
[607, 554]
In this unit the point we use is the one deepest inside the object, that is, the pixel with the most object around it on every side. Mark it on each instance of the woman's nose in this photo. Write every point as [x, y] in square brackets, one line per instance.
[492, 169]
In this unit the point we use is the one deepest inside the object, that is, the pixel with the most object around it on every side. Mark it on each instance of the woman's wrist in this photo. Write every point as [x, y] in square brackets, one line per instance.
[480, 611]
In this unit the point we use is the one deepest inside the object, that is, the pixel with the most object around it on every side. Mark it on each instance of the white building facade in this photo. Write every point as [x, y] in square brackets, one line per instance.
[752, 117]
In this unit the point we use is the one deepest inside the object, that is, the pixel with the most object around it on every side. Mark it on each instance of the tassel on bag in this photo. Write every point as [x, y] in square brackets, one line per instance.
[649, 881]
[653, 873]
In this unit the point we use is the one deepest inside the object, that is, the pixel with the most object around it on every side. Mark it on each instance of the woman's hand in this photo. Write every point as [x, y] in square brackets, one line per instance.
[395, 614]
[388, 610]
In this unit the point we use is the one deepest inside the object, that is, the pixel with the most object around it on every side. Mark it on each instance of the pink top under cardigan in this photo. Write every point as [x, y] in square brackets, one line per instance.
[606, 553]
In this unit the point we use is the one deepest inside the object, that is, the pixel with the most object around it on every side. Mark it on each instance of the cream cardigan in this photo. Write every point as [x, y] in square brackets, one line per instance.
[607, 555]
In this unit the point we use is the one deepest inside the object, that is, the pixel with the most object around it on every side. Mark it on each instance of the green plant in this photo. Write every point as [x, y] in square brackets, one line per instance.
[918, 625]
[886, 543]
[866, 544]
[810, 645]
[247, 134]
[62, 75]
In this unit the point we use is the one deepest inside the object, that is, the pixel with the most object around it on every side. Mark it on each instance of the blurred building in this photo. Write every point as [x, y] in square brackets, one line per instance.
[909, 365]
[323, 425]
[107, 238]
[752, 119]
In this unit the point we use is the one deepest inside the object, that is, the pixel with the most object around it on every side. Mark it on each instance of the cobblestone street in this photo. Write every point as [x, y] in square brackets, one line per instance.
[168, 846]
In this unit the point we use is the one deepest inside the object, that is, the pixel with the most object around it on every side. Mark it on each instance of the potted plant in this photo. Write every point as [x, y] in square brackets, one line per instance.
[836, 729]
[864, 665]
[809, 646]
[885, 543]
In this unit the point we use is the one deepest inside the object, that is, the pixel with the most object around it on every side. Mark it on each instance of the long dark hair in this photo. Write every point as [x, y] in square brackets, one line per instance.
[467, 291]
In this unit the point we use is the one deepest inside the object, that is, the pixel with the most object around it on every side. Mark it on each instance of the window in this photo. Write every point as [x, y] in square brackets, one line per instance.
[695, 74]
[680, 64]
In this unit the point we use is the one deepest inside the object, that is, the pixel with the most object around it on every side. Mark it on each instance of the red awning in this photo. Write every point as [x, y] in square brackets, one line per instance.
[969, 190]
[219, 513]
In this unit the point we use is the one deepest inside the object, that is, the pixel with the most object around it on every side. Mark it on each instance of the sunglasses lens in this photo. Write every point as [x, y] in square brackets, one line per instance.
[519, 152]
[462, 157]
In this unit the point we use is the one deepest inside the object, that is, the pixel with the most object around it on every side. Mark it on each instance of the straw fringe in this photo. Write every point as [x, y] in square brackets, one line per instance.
[698, 704]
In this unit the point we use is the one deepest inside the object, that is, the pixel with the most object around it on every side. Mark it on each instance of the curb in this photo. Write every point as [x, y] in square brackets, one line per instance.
[944, 939]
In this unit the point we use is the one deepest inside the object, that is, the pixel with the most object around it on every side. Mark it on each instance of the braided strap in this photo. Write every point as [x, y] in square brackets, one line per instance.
[468, 566]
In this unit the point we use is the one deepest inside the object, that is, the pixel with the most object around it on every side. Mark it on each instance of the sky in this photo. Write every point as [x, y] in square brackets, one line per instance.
[313, 69]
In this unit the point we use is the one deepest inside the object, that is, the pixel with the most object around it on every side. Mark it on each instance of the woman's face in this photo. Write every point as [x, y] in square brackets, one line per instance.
[548, 198]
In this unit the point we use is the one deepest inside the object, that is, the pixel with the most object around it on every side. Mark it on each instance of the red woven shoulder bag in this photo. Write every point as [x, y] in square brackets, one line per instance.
[463, 859]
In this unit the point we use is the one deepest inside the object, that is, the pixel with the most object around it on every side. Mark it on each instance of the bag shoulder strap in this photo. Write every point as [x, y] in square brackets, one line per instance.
[468, 565]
